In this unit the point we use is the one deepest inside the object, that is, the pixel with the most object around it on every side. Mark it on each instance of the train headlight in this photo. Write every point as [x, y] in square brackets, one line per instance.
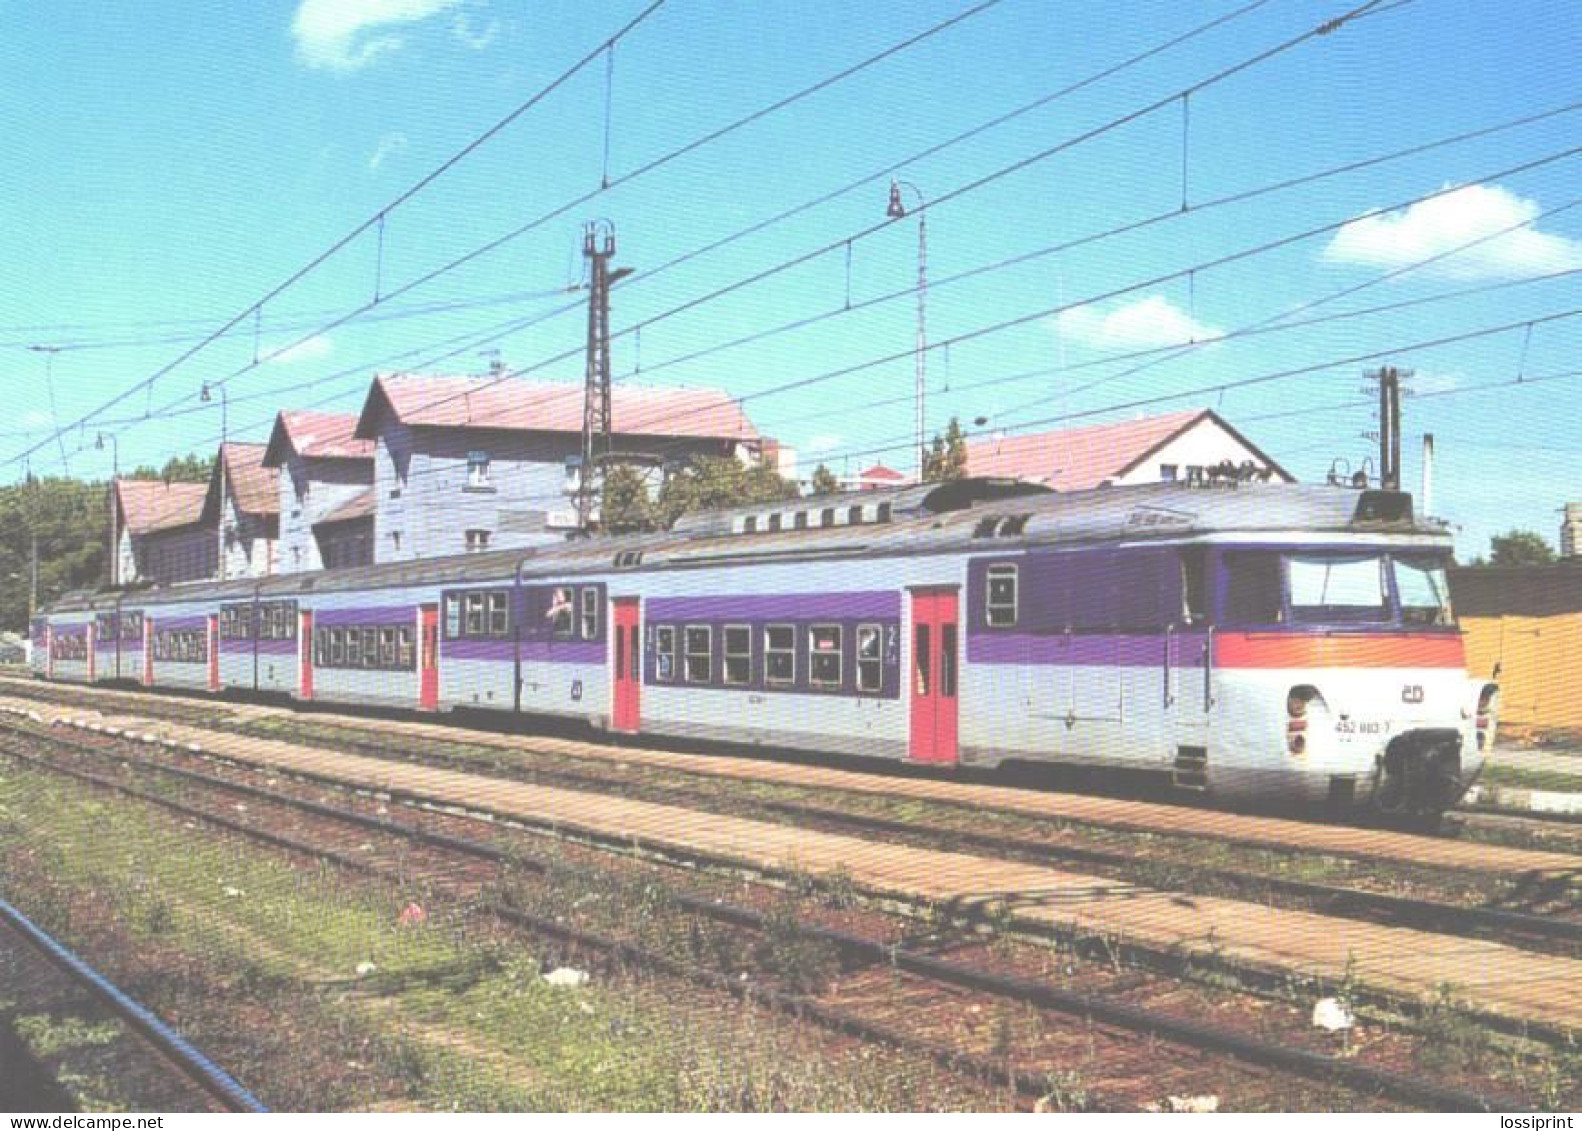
[1487, 699]
[1297, 702]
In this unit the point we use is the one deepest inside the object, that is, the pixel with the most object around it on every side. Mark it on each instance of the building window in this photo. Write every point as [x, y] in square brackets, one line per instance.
[477, 541]
[780, 655]
[478, 469]
[750, 524]
[854, 516]
[800, 521]
[665, 653]
[590, 613]
[884, 512]
[774, 524]
[738, 654]
[1000, 607]
[823, 665]
[1168, 472]
[826, 517]
[870, 657]
[395, 540]
[699, 655]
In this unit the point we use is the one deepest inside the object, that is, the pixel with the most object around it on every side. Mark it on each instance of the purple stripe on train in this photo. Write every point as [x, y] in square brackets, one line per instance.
[180, 624]
[371, 617]
[1085, 649]
[533, 651]
[776, 606]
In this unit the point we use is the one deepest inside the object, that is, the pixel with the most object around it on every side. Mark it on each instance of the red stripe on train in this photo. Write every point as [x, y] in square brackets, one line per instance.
[1372, 650]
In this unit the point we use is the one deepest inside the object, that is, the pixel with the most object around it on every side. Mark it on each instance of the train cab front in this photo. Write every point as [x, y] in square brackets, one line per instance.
[1364, 656]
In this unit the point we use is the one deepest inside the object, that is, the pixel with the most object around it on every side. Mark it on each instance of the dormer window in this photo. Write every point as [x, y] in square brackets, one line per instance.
[478, 469]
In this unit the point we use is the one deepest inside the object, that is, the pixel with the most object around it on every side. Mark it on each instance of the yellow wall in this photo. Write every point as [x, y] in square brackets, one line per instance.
[1541, 677]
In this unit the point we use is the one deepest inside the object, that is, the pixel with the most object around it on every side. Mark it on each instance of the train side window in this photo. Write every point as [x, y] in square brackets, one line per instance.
[560, 611]
[870, 658]
[404, 655]
[665, 653]
[452, 615]
[1252, 587]
[337, 647]
[923, 659]
[750, 524]
[826, 517]
[774, 524]
[590, 612]
[1000, 606]
[354, 648]
[498, 620]
[854, 516]
[780, 655]
[473, 625]
[1194, 587]
[699, 653]
[370, 647]
[387, 648]
[321, 647]
[824, 656]
[799, 520]
[947, 660]
[738, 654]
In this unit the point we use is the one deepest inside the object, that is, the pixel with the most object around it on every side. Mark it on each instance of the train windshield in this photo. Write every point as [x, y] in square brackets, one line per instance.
[1425, 596]
[1331, 588]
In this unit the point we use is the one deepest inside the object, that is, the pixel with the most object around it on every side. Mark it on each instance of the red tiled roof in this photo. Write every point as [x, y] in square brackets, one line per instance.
[360, 505]
[316, 435]
[490, 402]
[1077, 458]
[879, 471]
[147, 505]
[255, 487]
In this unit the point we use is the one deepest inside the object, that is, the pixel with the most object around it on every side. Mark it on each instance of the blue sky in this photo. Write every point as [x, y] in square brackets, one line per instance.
[169, 164]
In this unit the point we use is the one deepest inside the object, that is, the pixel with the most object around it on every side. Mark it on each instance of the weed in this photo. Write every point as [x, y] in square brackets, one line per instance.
[804, 962]
[1451, 1037]
[1066, 1092]
[158, 918]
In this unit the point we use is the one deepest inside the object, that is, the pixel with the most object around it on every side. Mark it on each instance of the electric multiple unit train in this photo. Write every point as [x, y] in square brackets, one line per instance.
[1251, 641]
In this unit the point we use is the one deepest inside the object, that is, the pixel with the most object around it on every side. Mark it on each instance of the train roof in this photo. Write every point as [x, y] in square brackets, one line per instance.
[981, 514]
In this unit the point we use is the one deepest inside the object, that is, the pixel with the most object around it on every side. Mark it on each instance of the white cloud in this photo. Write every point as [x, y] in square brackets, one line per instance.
[35, 418]
[344, 35]
[1434, 227]
[1428, 382]
[309, 349]
[463, 28]
[828, 442]
[1143, 324]
[389, 145]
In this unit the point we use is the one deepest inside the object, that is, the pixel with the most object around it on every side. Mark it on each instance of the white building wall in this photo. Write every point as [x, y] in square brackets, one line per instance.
[1204, 445]
[309, 490]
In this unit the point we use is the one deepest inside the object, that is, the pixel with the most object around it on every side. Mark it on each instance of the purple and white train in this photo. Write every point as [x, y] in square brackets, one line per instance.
[1251, 640]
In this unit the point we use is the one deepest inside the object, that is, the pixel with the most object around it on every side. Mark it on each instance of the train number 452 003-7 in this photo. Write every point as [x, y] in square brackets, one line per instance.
[1347, 726]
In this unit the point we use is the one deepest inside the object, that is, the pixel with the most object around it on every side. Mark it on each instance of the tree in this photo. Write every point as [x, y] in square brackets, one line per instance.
[711, 482]
[177, 469]
[824, 481]
[947, 458]
[626, 507]
[69, 520]
[1519, 548]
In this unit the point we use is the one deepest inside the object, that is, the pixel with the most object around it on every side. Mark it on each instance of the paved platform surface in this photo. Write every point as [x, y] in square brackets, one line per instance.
[1493, 977]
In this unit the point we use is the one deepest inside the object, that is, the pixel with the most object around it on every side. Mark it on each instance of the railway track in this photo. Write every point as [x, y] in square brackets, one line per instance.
[1170, 818]
[855, 948]
[1517, 927]
[1534, 931]
[160, 1042]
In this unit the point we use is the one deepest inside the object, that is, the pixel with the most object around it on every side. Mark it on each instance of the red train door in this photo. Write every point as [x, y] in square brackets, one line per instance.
[214, 651]
[305, 657]
[936, 671]
[428, 658]
[148, 650]
[627, 715]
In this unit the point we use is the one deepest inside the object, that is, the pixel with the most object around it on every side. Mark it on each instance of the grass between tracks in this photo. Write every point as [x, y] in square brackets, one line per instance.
[303, 983]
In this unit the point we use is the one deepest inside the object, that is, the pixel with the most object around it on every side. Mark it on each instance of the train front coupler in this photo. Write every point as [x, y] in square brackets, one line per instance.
[1419, 773]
